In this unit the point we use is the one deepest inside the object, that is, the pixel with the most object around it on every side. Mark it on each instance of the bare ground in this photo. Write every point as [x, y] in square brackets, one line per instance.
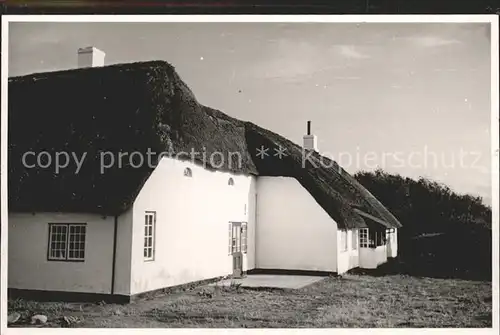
[351, 302]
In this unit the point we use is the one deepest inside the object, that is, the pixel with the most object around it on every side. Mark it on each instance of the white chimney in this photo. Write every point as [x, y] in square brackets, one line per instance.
[310, 141]
[90, 57]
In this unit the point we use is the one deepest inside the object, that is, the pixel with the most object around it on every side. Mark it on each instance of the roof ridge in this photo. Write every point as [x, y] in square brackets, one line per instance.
[138, 65]
[104, 108]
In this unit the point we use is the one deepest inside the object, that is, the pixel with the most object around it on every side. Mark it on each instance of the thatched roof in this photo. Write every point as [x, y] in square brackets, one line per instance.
[136, 107]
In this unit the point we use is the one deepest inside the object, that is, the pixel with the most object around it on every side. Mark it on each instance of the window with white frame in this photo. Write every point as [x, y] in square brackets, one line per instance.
[67, 241]
[363, 238]
[354, 237]
[381, 238]
[149, 235]
[343, 240]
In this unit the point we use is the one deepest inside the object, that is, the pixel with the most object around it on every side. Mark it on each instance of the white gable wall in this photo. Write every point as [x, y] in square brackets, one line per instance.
[192, 218]
[293, 231]
[28, 267]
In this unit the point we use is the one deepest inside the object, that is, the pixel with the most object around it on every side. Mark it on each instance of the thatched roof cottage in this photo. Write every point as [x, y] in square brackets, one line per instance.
[121, 183]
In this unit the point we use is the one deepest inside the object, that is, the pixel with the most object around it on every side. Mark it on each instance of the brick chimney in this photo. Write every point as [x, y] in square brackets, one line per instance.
[90, 57]
[310, 141]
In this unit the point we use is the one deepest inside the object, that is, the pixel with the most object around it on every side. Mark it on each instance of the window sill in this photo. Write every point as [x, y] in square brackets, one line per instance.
[67, 260]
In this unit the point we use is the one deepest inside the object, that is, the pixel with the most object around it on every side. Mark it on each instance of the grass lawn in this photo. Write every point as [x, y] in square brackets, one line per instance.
[351, 302]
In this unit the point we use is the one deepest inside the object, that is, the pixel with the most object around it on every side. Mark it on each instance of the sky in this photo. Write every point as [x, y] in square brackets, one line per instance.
[410, 98]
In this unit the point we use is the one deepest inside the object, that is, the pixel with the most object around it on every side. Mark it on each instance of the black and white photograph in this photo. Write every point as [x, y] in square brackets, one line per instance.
[256, 172]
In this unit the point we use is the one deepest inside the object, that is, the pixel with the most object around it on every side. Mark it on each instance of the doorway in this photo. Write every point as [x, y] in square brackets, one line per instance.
[238, 242]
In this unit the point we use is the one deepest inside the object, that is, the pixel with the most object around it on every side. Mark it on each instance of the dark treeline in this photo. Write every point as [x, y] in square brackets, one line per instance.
[444, 234]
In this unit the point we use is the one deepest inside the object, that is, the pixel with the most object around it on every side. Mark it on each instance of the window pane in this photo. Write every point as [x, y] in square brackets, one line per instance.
[63, 237]
[149, 221]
